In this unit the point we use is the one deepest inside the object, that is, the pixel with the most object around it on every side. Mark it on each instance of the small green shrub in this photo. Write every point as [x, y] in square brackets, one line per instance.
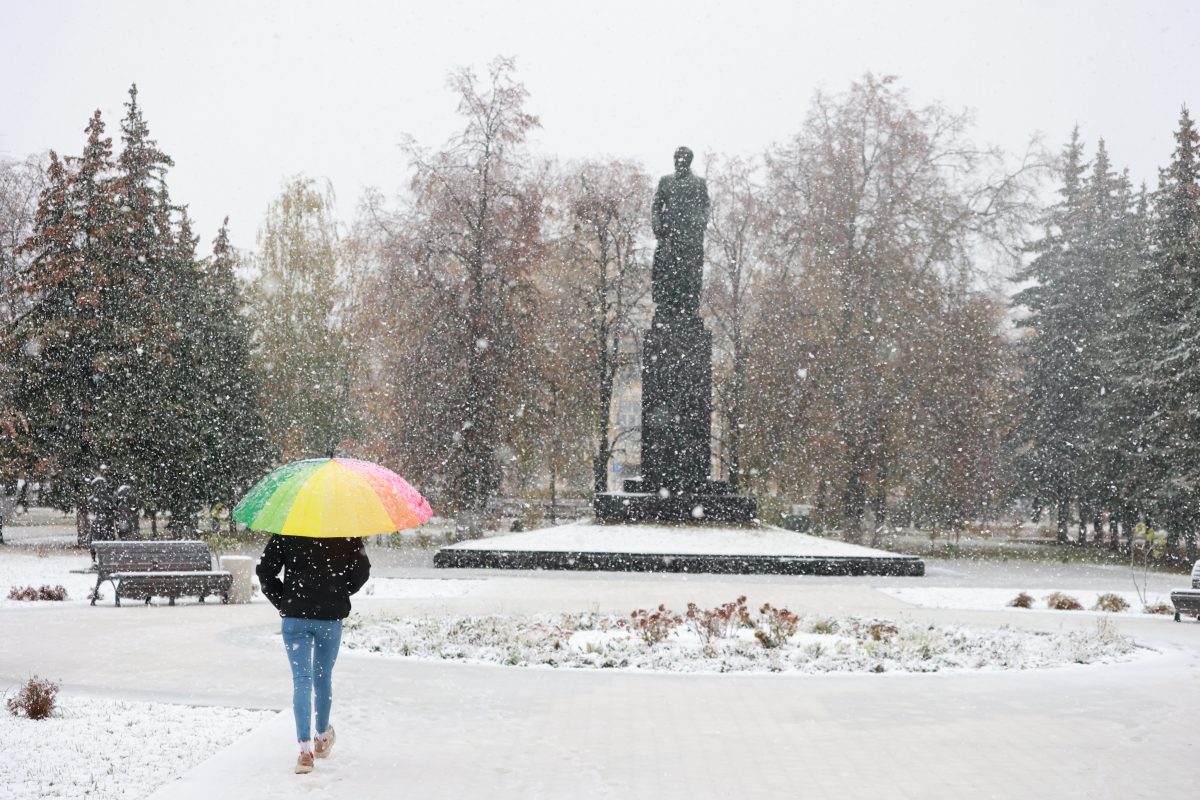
[1113, 603]
[1062, 602]
[35, 700]
[1022, 600]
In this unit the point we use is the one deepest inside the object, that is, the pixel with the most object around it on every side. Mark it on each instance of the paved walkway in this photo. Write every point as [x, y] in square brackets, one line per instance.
[438, 730]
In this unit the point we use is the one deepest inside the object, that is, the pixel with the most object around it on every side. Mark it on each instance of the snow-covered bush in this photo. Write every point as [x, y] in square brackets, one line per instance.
[28, 593]
[35, 699]
[1022, 600]
[1062, 602]
[1110, 602]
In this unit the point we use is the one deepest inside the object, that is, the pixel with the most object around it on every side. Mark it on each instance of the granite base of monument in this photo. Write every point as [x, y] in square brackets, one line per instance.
[692, 548]
[621, 507]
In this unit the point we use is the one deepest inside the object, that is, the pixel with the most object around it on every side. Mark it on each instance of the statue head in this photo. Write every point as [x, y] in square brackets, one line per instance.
[683, 160]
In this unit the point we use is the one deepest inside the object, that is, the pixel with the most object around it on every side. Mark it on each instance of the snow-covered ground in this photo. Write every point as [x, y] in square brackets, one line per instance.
[53, 568]
[990, 599]
[983, 702]
[814, 644]
[111, 749]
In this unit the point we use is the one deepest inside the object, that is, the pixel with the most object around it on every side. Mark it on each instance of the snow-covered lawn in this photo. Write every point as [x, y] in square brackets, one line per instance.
[991, 599]
[20, 569]
[817, 645]
[93, 748]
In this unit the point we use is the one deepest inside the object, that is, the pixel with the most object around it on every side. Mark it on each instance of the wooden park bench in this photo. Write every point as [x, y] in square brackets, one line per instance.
[1187, 601]
[159, 569]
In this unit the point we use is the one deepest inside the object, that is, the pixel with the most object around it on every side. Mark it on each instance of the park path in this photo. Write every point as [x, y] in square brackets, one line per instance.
[440, 730]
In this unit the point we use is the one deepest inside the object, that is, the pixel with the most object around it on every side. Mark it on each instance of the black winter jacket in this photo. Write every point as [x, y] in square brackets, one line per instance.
[319, 575]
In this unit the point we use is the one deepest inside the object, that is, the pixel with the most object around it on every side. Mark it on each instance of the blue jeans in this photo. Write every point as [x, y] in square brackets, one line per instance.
[312, 647]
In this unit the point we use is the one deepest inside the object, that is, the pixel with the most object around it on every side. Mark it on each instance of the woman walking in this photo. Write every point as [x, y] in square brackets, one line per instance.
[319, 575]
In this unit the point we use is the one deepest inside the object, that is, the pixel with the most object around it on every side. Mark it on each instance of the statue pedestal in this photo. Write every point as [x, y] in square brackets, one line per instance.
[618, 507]
[676, 435]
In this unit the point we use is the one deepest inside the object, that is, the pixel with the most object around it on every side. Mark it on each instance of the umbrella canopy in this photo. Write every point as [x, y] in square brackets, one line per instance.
[332, 497]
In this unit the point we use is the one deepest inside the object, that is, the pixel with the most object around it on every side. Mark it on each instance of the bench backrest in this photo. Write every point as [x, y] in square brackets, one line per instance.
[169, 556]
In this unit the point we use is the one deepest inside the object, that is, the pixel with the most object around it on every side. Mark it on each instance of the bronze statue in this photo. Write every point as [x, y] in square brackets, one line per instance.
[678, 216]
[675, 485]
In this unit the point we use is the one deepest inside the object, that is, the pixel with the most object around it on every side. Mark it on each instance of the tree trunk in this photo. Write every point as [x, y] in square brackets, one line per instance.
[83, 531]
[153, 524]
[1128, 521]
[854, 497]
[879, 502]
[1063, 512]
[606, 371]
[734, 435]
[554, 453]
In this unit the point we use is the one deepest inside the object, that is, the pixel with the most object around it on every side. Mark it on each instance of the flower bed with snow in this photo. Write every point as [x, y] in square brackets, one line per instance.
[111, 749]
[762, 642]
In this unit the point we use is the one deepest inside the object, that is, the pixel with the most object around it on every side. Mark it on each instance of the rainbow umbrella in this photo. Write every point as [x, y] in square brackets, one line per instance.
[332, 497]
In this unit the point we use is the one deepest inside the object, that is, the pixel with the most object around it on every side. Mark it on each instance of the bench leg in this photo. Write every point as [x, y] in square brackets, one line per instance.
[148, 599]
[1177, 616]
[171, 600]
[96, 591]
[202, 598]
[225, 600]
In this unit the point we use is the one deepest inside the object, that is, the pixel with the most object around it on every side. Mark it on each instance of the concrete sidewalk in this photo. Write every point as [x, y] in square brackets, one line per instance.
[453, 731]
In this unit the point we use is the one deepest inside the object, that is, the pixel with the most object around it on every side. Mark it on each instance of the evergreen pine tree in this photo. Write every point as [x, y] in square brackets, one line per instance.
[1173, 372]
[1105, 256]
[1055, 383]
[61, 350]
[148, 407]
[1126, 403]
[234, 434]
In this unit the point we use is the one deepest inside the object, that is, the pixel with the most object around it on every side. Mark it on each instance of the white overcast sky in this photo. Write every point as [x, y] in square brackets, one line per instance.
[245, 94]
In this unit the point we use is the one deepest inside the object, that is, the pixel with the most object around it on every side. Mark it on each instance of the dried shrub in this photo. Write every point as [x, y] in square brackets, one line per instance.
[719, 622]
[1022, 600]
[28, 593]
[35, 700]
[1110, 602]
[1062, 602]
[654, 626]
[1159, 608]
[827, 625]
[776, 625]
[881, 631]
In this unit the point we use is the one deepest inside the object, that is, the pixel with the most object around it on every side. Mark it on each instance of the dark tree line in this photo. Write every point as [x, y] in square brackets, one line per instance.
[481, 332]
[1107, 430]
